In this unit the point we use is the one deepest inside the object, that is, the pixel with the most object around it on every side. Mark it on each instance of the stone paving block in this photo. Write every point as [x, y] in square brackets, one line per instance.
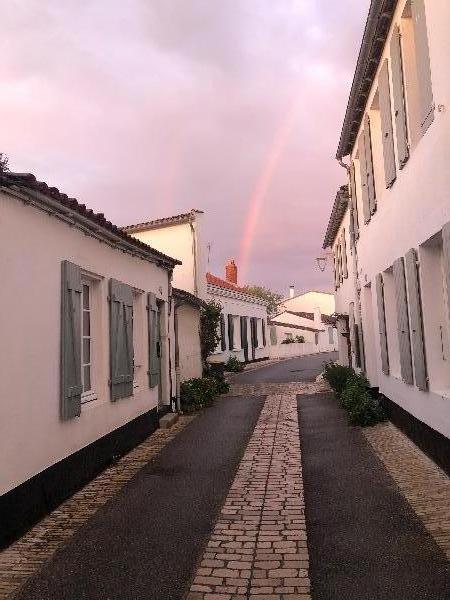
[259, 541]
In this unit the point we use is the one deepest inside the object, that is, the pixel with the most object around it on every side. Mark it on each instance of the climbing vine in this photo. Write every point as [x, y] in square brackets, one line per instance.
[209, 328]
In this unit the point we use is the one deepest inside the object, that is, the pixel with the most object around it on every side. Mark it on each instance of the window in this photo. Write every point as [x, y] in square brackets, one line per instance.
[259, 333]
[391, 323]
[237, 343]
[330, 335]
[139, 344]
[87, 350]
[435, 314]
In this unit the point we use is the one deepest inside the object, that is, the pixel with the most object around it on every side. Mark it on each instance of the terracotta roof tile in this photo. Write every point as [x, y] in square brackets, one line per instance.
[26, 183]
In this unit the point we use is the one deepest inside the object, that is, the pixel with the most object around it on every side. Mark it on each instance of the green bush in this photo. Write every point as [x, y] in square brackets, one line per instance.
[353, 391]
[337, 376]
[366, 412]
[234, 365]
[197, 393]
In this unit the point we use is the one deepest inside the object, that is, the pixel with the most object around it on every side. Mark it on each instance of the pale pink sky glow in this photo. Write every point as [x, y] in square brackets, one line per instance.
[147, 108]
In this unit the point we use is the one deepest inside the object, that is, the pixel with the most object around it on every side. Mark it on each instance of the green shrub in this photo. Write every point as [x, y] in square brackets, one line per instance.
[337, 376]
[354, 393]
[222, 386]
[234, 365]
[300, 339]
[366, 412]
[197, 393]
[289, 340]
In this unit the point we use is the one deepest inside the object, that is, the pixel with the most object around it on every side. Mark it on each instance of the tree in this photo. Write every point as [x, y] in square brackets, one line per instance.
[3, 162]
[209, 328]
[273, 298]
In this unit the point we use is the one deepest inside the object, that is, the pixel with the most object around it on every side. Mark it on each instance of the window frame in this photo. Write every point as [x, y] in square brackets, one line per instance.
[88, 395]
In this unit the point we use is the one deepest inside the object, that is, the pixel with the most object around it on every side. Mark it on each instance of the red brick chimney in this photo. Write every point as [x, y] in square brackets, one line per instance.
[231, 272]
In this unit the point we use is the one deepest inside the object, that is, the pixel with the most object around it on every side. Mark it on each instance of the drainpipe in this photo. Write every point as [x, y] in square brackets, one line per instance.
[177, 358]
[194, 251]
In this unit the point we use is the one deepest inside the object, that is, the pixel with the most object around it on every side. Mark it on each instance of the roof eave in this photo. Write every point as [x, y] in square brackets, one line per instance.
[337, 214]
[374, 39]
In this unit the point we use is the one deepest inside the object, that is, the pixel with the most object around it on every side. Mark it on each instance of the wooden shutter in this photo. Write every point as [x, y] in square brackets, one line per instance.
[363, 175]
[446, 260]
[223, 341]
[154, 348]
[230, 332]
[384, 94]
[354, 201]
[382, 324]
[344, 256]
[254, 331]
[415, 312]
[404, 341]
[353, 333]
[71, 386]
[369, 166]
[423, 64]
[335, 263]
[264, 332]
[121, 339]
[398, 93]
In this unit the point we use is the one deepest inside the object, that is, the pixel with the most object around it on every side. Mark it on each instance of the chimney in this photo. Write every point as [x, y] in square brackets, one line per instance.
[291, 291]
[231, 272]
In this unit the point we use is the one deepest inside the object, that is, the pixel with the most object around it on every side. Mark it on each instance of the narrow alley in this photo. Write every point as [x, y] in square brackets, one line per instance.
[268, 494]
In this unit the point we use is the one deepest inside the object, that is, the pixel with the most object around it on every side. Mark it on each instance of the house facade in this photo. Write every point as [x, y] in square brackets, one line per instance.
[396, 142]
[243, 328]
[181, 237]
[86, 363]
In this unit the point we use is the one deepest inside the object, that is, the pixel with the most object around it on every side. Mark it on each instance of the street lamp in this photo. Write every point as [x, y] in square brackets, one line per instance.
[321, 262]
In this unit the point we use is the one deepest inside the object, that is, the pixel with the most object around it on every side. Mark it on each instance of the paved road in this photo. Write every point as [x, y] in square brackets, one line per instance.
[144, 544]
[365, 540]
[304, 368]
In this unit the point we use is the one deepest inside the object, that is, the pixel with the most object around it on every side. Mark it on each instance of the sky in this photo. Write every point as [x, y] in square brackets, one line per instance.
[149, 108]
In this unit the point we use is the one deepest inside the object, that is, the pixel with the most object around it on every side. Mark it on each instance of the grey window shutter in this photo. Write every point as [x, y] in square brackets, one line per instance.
[264, 332]
[344, 256]
[230, 332]
[223, 341]
[353, 333]
[154, 347]
[71, 386]
[423, 64]
[404, 341]
[121, 339]
[335, 263]
[354, 201]
[369, 166]
[363, 174]
[415, 312]
[384, 93]
[398, 93]
[446, 259]
[382, 324]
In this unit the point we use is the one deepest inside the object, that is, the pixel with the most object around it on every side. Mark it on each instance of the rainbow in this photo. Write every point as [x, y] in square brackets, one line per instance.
[262, 186]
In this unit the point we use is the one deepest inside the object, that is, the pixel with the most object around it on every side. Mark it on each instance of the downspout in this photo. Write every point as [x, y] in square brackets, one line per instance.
[194, 252]
[357, 289]
[177, 357]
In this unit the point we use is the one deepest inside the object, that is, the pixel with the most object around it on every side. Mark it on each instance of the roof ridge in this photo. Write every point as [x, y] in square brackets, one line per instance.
[155, 223]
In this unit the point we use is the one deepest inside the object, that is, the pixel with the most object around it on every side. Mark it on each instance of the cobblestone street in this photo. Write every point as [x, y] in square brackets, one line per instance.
[252, 499]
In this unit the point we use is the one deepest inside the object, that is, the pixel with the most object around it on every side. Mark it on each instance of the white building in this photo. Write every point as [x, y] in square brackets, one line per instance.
[306, 316]
[244, 319]
[181, 237]
[396, 137]
[85, 323]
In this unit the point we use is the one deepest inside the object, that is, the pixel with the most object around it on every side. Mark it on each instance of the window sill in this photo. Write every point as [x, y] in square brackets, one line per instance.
[88, 397]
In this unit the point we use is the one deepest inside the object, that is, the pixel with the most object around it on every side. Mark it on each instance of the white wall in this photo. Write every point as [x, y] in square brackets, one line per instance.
[189, 342]
[235, 306]
[32, 247]
[310, 301]
[411, 212]
[184, 242]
